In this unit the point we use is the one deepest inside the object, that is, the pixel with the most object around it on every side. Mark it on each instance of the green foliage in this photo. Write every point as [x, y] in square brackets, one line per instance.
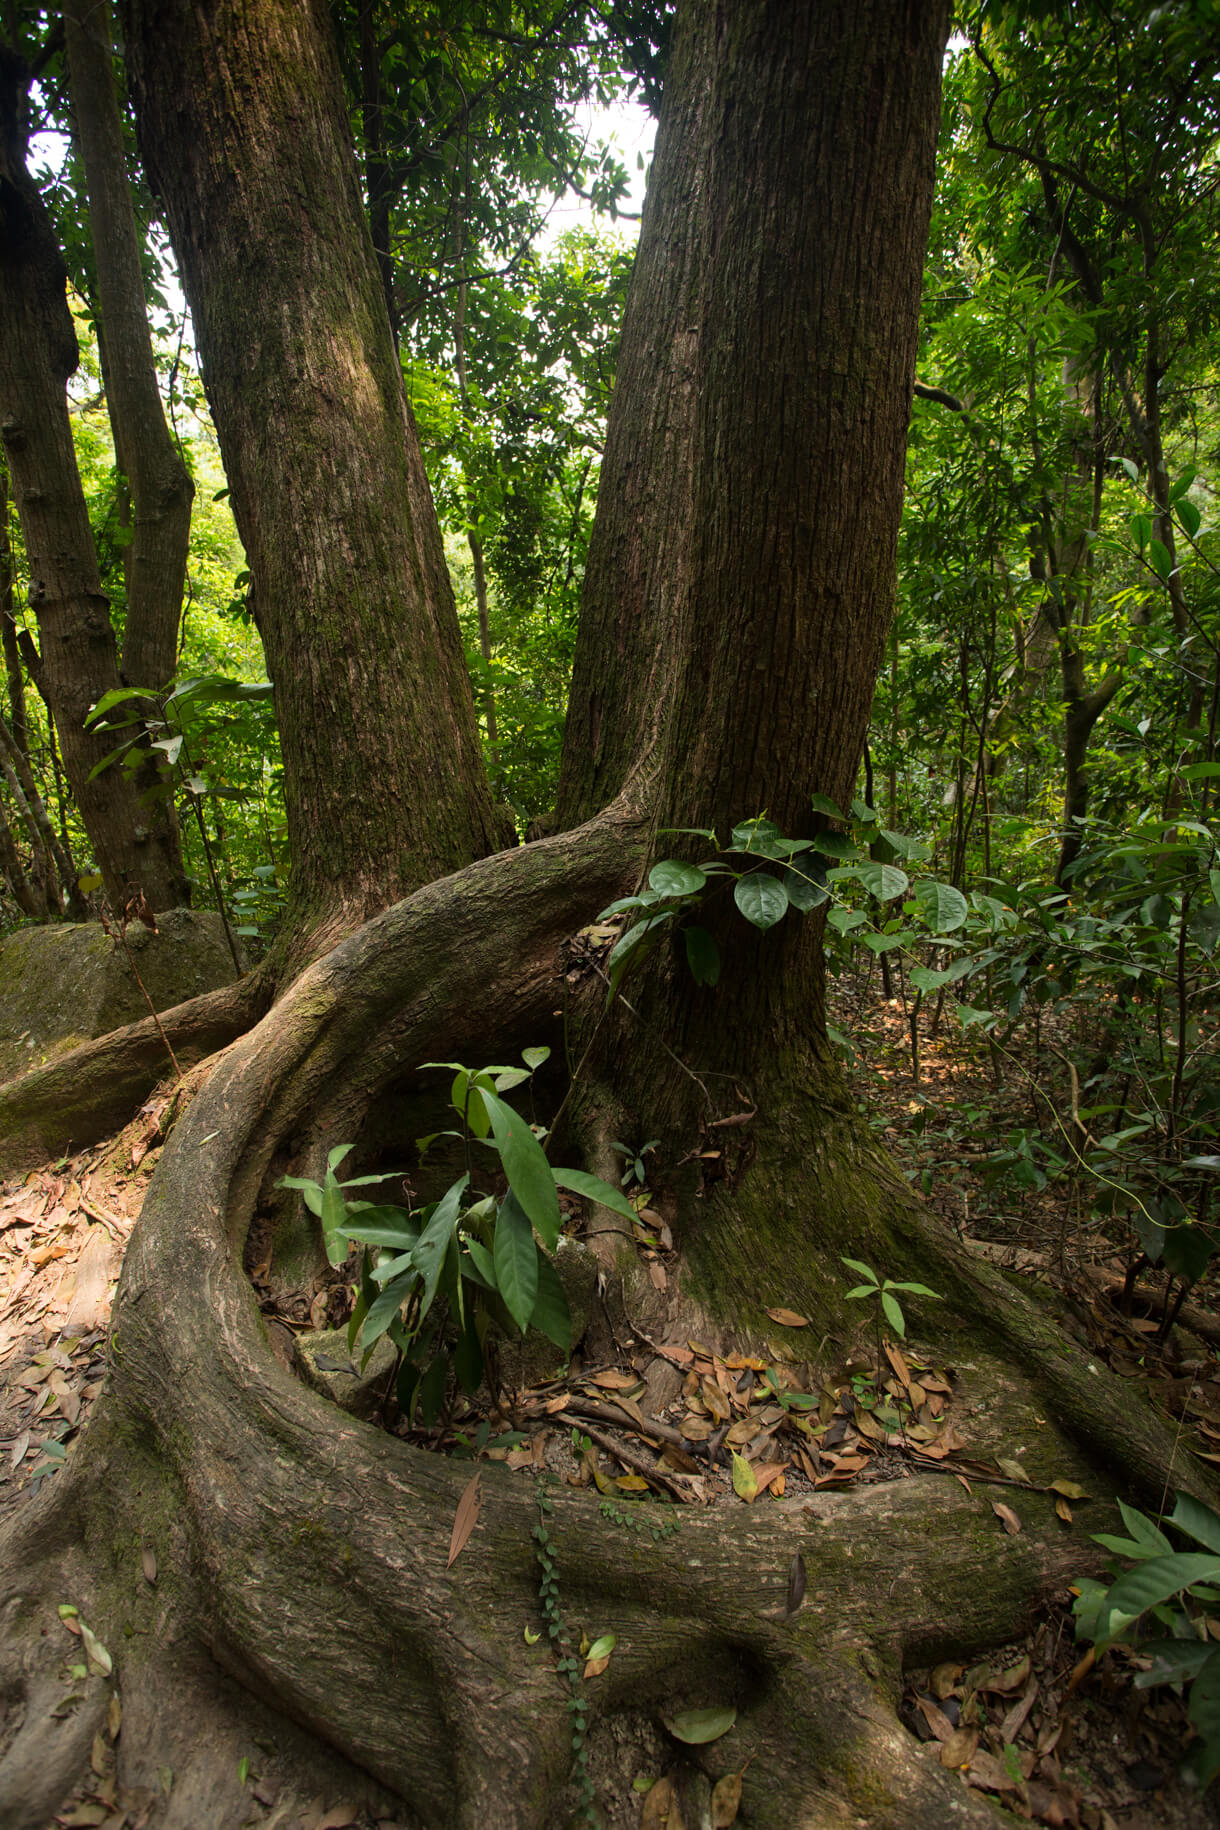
[437, 1278]
[883, 1294]
[1163, 1606]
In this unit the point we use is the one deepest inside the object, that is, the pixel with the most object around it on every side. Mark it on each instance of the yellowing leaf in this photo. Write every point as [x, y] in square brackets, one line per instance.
[726, 1801]
[659, 1806]
[531, 1638]
[99, 1659]
[1011, 1468]
[1063, 1510]
[788, 1318]
[595, 1666]
[1069, 1489]
[745, 1483]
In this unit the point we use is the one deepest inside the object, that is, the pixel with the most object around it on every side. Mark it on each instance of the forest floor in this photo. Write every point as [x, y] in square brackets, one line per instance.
[1089, 1749]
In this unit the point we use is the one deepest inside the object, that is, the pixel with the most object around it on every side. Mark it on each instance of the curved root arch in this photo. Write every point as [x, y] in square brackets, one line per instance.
[305, 1552]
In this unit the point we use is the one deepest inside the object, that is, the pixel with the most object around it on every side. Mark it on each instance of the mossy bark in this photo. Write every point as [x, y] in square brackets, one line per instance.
[302, 1553]
[244, 128]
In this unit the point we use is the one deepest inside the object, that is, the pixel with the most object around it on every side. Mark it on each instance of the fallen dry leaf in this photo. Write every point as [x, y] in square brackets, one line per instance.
[464, 1519]
[1007, 1517]
[959, 1750]
[726, 1801]
[788, 1318]
[657, 1812]
[148, 1563]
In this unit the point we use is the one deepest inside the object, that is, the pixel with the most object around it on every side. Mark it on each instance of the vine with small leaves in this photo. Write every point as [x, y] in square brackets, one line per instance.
[567, 1663]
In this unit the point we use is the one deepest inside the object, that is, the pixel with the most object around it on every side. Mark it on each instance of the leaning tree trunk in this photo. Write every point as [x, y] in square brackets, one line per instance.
[384, 784]
[76, 661]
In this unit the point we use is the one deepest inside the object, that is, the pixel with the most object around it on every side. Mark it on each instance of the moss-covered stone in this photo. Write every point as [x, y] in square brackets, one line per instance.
[61, 985]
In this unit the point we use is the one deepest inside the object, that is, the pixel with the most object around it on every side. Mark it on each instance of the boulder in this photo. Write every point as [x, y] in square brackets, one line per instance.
[65, 983]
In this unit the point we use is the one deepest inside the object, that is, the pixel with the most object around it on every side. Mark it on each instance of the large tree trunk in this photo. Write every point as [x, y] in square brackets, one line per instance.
[76, 662]
[384, 784]
[752, 488]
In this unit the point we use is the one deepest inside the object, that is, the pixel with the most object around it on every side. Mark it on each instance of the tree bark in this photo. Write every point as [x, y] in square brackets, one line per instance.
[161, 487]
[8, 627]
[226, 1473]
[750, 496]
[384, 784]
[76, 662]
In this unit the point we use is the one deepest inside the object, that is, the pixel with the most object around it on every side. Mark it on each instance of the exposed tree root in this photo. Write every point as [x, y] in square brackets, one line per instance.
[302, 1553]
[98, 1087]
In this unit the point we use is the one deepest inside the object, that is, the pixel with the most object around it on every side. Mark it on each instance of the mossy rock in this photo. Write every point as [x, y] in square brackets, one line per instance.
[64, 983]
[326, 1362]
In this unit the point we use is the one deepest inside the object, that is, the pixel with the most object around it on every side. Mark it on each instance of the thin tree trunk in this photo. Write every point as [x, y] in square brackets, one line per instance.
[350, 590]
[161, 486]
[76, 662]
[18, 717]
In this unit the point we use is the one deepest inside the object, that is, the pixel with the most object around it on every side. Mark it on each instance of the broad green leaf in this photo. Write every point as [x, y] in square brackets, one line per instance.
[755, 836]
[670, 878]
[334, 1213]
[884, 881]
[603, 1647]
[761, 898]
[525, 1165]
[627, 943]
[1151, 1583]
[483, 1262]
[941, 906]
[1197, 1521]
[579, 1182]
[508, 1078]
[803, 889]
[822, 803]
[844, 920]
[836, 845]
[862, 1290]
[392, 1226]
[894, 1314]
[1158, 552]
[1189, 516]
[912, 1289]
[926, 978]
[552, 1316]
[430, 1393]
[1174, 1661]
[385, 1310]
[432, 1244]
[534, 1057]
[1203, 1707]
[854, 1264]
[702, 956]
[697, 1726]
[516, 1261]
[335, 1157]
